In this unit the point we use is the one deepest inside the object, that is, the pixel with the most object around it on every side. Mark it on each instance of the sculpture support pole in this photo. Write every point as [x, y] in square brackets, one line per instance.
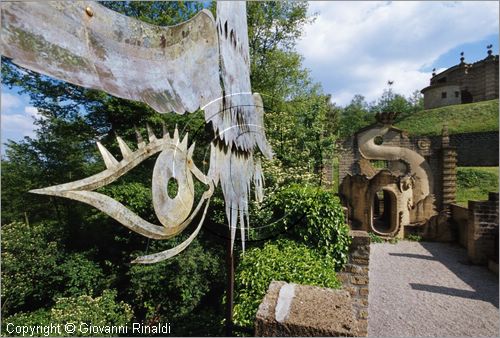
[230, 285]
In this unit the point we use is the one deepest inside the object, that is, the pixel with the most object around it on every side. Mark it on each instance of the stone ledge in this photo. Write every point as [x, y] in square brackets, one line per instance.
[303, 310]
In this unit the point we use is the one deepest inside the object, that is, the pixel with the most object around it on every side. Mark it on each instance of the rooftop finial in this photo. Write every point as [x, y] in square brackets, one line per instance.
[489, 47]
[462, 58]
[433, 71]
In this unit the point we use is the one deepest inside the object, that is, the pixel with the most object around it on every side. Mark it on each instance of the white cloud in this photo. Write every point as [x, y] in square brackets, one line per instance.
[33, 112]
[356, 47]
[9, 101]
[17, 124]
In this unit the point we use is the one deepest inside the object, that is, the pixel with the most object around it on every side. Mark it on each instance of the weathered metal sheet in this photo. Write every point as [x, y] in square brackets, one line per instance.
[172, 68]
[238, 123]
[175, 161]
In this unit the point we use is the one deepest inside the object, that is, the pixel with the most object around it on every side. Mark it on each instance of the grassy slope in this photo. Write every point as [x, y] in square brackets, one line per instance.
[462, 118]
[474, 183]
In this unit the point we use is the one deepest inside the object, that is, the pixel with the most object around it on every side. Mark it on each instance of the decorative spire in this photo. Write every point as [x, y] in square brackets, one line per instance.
[386, 117]
[489, 47]
[433, 71]
[462, 58]
[445, 136]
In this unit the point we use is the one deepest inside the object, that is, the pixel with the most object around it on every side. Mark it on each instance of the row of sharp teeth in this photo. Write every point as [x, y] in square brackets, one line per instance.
[111, 162]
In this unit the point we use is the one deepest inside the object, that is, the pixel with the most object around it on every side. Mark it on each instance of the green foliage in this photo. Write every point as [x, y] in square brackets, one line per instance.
[474, 183]
[414, 238]
[80, 276]
[461, 118]
[136, 196]
[29, 261]
[104, 310]
[284, 260]
[359, 113]
[355, 116]
[374, 238]
[316, 218]
[35, 268]
[394, 240]
[172, 289]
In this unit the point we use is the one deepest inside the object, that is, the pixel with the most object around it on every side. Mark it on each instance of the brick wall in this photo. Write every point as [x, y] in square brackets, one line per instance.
[475, 149]
[355, 278]
[482, 234]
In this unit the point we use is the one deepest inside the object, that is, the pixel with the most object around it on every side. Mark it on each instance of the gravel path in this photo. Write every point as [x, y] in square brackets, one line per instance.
[428, 289]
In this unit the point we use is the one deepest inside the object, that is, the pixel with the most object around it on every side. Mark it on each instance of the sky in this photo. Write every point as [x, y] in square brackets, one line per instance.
[356, 47]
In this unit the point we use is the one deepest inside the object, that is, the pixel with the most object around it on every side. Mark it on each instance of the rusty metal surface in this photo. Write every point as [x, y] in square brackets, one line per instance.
[172, 68]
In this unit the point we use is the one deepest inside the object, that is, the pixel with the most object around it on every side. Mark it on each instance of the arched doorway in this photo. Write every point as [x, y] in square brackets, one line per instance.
[384, 211]
[466, 96]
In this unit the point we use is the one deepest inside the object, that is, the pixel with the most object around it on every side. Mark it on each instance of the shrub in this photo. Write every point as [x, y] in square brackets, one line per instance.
[99, 311]
[36, 270]
[29, 264]
[414, 238]
[374, 238]
[315, 217]
[174, 288]
[284, 260]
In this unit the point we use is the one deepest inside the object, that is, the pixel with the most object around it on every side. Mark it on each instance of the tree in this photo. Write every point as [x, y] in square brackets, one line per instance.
[355, 116]
[63, 150]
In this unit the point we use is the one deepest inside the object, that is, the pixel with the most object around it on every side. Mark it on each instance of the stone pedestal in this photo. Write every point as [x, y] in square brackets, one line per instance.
[307, 311]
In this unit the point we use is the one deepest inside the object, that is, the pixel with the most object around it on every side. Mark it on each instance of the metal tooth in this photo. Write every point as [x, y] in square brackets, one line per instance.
[126, 151]
[151, 134]
[176, 135]
[109, 159]
[140, 141]
[184, 142]
[191, 150]
[165, 131]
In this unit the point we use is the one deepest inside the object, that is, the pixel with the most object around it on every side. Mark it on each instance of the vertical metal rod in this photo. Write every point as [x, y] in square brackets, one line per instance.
[230, 286]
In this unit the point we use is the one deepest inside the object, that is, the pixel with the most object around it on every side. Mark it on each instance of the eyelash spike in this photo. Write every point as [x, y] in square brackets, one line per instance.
[125, 150]
[109, 159]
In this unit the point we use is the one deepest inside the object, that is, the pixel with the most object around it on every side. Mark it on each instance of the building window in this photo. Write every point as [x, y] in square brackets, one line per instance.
[443, 95]
[457, 94]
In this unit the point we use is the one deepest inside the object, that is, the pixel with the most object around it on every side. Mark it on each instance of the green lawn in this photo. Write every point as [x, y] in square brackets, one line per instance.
[462, 118]
[474, 183]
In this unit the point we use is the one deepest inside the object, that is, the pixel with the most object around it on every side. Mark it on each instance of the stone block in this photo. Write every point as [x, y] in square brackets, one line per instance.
[359, 280]
[364, 292]
[363, 314]
[360, 261]
[353, 291]
[343, 277]
[301, 310]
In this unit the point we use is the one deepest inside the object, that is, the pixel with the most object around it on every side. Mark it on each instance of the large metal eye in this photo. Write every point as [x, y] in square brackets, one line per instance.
[175, 214]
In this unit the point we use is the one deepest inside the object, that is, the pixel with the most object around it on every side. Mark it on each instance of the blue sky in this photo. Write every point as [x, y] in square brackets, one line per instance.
[356, 47]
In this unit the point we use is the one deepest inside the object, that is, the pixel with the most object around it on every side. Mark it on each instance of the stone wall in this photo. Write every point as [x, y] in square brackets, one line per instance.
[474, 149]
[302, 310]
[460, 218]
[482, 234]
[434, 96]
[355, 277]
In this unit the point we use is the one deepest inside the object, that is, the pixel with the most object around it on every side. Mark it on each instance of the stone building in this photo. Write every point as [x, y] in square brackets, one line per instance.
[463, 83]
[392, 184]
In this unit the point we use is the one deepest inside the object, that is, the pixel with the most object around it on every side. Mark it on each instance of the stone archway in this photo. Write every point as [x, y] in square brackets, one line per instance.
[384, 211]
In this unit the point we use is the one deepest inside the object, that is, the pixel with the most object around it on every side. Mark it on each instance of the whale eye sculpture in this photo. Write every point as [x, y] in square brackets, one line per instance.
[201, 63]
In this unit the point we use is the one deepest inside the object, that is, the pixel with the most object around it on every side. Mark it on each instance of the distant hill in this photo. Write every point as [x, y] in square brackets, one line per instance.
[461, 118]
